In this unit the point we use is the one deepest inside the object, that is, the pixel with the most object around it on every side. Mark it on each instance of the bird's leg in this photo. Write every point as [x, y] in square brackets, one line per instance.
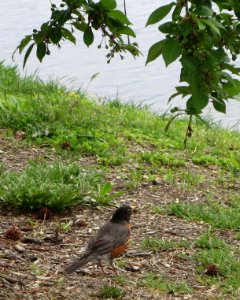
[100, 265]
[114, 268]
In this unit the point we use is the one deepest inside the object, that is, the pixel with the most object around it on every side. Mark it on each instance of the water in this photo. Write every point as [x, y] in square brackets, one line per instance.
[130, 79]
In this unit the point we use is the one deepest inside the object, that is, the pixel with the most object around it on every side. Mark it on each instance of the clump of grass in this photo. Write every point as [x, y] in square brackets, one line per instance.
[210, 241]
[214, 214]
[163, 245]
[189, 180]
[111, 292]
[54, 186]
[155, 158]
[163, 284]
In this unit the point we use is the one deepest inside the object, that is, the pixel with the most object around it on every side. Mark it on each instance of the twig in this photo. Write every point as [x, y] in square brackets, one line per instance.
[9, 279]
[140, 254]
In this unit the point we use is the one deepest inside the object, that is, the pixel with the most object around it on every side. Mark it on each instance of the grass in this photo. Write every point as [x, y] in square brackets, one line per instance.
[163, 245]
[210, 241]
[228, 265]
[212, 213]
[111, 292]
[165, 285]
[51, 114]
[55, 186]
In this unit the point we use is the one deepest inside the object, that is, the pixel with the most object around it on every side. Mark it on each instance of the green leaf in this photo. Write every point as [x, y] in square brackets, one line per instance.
[41, 51]
[68, 35]
[168, 27]
[108, 4]
[219, 105]
[126, 30]
[119, 16]
[88, 36]
[196, 103]
[177, 12]
[213, 24]
[232, 90]
[38, 37]
[80, 26]
[155, 51]
[171, 51]
[160, 13]
[55, 35]
[29, 50]
[231, 68]
[24, 43]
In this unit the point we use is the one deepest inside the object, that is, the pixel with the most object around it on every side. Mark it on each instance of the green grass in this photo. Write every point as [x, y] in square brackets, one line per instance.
[210, 241]
[50, 114]
[212, 213]
[111, 292]
[54, 186]
[163, 245]
[165, 285]
[228, 264]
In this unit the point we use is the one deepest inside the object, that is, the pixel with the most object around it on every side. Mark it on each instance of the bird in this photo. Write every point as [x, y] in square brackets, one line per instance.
[110, 241]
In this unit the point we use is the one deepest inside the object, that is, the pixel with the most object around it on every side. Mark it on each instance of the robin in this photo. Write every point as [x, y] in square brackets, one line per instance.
[109, 242]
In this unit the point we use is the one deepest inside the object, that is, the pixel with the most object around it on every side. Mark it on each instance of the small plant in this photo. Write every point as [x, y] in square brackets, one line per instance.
[103, 195]
[111, 291]
[189, 180]
[47, 186]
[65, 227]
[165, 285]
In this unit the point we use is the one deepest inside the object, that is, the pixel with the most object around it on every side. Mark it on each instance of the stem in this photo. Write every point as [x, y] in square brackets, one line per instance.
[125, 12]
[187, 8]
[188, 131]
[171, 120]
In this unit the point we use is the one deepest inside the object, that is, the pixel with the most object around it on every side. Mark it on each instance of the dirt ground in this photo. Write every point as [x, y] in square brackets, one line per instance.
[32, 266]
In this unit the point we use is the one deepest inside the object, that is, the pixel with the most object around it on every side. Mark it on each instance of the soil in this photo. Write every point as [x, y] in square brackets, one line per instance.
[31, 267]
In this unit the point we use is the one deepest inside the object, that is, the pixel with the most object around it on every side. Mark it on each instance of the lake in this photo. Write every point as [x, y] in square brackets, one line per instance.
[129, 79]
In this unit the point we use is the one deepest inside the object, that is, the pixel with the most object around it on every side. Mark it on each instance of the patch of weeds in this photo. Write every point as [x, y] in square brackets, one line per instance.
[120, 279]
[111, 291]
[189, 180]
[163, 245]
[237, 236]
[158, 210]
[135, 179]
[65, 227]
[54, 186]
[214, 214]
[235, 201]
[156, 158]
[103, 194]
[205, 160]
[229, 163]
[210, 241]
[170, 176]
[227, 277]
[163, 284]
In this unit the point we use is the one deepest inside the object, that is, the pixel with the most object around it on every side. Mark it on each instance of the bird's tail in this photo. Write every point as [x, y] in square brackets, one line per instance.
[78, 263]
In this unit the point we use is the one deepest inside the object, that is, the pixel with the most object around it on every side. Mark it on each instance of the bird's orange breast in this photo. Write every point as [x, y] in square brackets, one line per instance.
[118, 251]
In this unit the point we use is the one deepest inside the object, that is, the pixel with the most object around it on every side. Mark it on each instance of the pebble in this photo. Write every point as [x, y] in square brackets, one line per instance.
[19, 248]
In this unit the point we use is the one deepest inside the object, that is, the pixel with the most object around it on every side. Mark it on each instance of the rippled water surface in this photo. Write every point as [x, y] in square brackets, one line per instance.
[129, 79]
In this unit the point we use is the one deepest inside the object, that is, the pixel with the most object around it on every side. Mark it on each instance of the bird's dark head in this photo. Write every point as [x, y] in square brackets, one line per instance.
[123, 213]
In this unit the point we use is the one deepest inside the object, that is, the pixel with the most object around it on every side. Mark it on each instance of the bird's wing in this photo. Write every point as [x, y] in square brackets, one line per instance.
[109, 236]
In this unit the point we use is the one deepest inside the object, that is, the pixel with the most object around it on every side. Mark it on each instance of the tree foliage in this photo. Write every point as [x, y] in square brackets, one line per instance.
[203, 34]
